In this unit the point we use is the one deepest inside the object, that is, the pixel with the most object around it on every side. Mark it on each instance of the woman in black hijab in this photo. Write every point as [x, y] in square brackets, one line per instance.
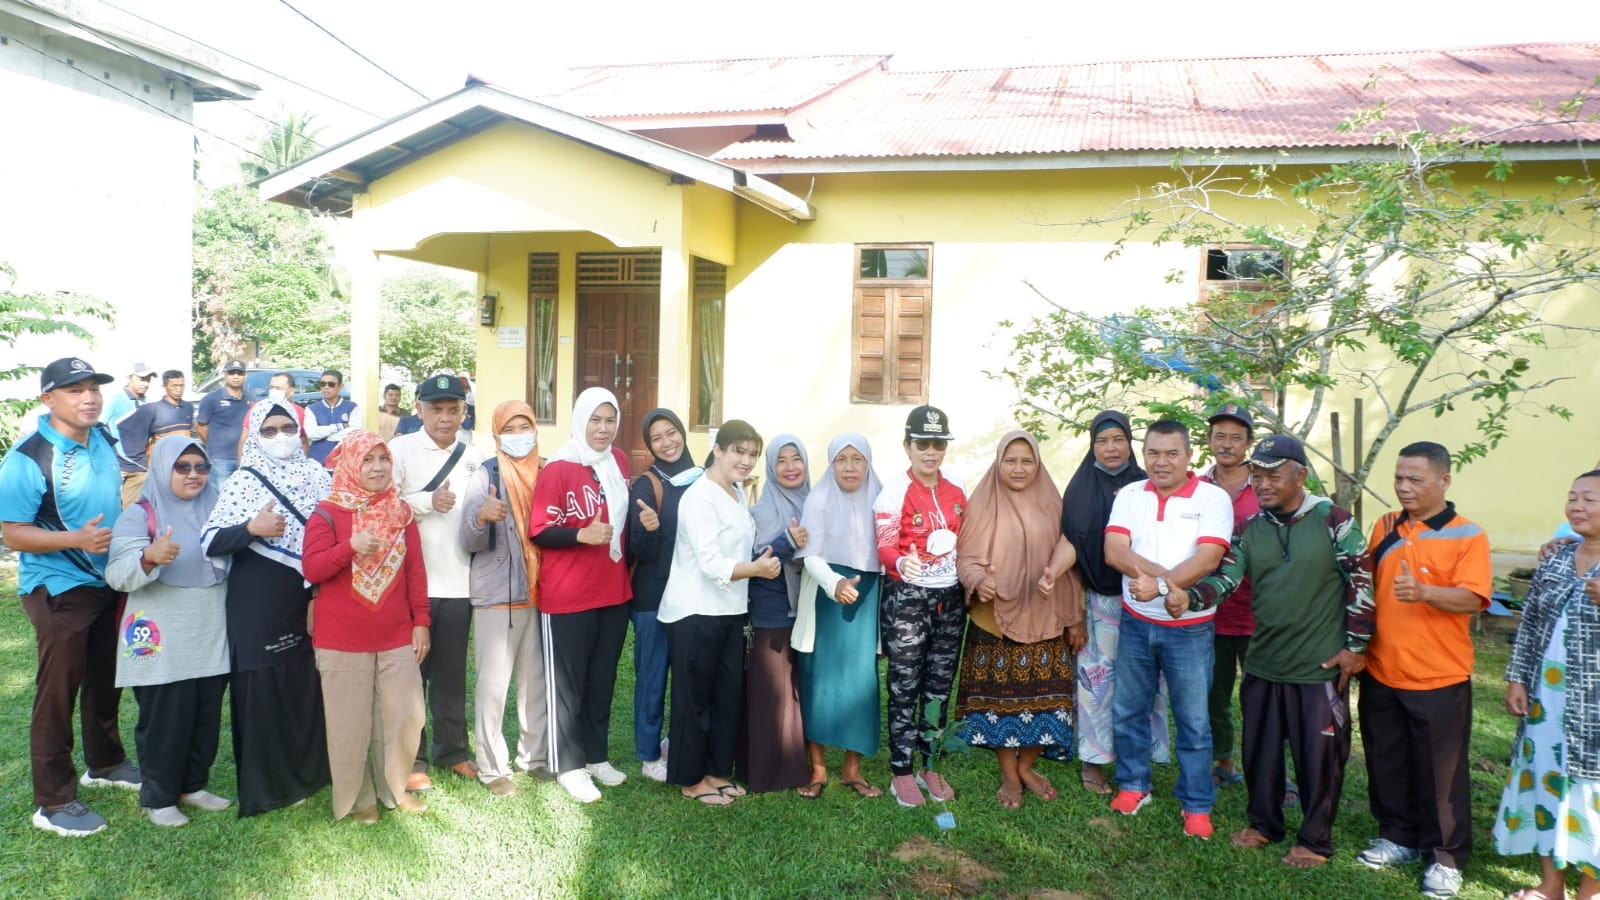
[652, 526]
[1086, 506]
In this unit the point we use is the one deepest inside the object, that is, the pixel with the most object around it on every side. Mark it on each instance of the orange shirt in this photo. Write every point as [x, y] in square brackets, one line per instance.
[1416, 646]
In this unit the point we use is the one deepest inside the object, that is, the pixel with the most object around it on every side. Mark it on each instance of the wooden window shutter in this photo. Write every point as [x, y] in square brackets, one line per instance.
[870, 333]
[911, 344]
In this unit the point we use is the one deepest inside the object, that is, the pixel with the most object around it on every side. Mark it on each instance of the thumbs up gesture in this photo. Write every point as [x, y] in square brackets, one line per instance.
[767, 565]
[493, 509]
[1047, 582]
[988, 590]
[443, 500]
[911, 564]
[845, 591]
[364, 542]
[797, 534]
[92, 538]
[266, 523]
[163, 550]
[647, 516]
[1406, 587]
[1142, 585]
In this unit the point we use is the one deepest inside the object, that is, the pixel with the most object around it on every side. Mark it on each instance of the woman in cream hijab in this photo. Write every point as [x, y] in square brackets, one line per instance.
[1027, 620]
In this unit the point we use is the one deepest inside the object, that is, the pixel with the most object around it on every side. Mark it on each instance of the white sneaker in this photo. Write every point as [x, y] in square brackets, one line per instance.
[579, 785]
[1441, 881]
[166, 816]
[606, 773]
[205, 800]
[655, 769]
[1383, 853]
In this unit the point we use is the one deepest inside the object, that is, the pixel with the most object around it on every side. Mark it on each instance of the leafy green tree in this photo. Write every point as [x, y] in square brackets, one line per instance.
[1423, 276]
[34, 313]
[427, 323]
[263, 276]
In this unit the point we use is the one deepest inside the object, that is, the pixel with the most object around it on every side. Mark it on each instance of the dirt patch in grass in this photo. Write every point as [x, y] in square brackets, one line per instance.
[945, 871]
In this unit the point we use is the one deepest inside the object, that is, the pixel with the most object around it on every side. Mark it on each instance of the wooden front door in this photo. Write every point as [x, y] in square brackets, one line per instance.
[617, 350]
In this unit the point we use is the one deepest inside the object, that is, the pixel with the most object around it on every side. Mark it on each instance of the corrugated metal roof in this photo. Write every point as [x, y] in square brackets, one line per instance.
[710, 86]
[1247, 103]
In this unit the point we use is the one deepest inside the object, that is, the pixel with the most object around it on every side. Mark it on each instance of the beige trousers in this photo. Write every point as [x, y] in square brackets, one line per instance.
[373, 706]
[509, 644]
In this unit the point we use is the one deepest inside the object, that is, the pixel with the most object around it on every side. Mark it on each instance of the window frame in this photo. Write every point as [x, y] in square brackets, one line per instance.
[893, 317]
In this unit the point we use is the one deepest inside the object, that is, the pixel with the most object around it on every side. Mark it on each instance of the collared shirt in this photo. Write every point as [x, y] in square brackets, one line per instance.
[223, 415]
[1168, 530]
[416, 459]
[1234, 617]
[906, 512]
[151, 422]
[85, 482]
[1419, 647]
[121, 403]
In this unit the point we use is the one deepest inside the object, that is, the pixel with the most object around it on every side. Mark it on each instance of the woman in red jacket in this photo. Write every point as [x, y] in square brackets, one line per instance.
[370, 629]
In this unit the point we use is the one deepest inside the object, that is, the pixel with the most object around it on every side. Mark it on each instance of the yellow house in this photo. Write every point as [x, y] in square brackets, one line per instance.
[818, 244]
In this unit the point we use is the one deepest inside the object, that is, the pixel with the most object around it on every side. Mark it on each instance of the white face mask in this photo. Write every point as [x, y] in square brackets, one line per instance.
[518, 445]
[280, 446]
[276, 394]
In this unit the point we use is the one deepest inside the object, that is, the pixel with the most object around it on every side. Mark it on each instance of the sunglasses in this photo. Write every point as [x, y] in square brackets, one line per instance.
[929, 444]
[272, 431]
[184, 468]
[328, 384]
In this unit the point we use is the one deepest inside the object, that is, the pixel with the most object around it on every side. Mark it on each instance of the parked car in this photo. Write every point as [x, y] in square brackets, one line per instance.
[256, 381]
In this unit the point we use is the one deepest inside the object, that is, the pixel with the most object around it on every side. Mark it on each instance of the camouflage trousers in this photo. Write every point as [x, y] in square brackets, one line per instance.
[921, 629]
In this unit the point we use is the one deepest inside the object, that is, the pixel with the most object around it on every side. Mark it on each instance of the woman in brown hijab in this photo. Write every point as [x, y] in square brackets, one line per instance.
[1027, 621]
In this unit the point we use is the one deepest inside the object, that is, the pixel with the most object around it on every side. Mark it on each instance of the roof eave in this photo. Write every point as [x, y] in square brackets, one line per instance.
[292, 185]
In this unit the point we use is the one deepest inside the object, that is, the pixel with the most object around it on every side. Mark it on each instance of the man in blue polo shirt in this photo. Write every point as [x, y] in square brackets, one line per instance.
[59, 495]
[221, 421]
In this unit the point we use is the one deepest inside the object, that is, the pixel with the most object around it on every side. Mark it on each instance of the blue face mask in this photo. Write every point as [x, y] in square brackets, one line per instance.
[686, 477]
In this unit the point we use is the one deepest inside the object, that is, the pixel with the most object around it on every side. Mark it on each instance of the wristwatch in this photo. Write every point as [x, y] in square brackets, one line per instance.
[1161, 587]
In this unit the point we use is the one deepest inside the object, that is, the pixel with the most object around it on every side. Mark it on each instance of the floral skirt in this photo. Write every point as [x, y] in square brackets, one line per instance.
[1016, 695]
[1542, 810]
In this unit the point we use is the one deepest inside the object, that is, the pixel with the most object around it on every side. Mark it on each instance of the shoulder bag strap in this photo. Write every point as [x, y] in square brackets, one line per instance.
[276, 493]
[439, 476]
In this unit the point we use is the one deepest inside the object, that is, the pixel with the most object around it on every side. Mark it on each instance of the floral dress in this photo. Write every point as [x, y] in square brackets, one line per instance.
[1542, 809]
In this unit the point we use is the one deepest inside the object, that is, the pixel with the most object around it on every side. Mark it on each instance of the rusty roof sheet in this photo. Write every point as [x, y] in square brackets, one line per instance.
[706, 87]
[1202, 104]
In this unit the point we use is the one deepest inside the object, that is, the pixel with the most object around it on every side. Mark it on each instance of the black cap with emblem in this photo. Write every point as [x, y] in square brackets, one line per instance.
[69, 370]
[441, 387]
[927, 423]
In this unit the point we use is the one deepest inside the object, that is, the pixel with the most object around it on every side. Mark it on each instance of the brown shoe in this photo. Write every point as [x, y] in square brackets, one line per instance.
[368, 816]
[419, 781]
[465, 769]
[502, 787]
[409, 804]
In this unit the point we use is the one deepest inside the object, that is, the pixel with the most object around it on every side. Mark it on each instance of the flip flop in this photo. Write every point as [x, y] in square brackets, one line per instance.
[1302, 858]
[1249, 838]
[709, 798]
[1097, 786]
[1223, 777]
[1533, 893]
[1008, 801]
[731, 790]
[1291, 795]
[863, 788]
[813, 790]
[1044, 790]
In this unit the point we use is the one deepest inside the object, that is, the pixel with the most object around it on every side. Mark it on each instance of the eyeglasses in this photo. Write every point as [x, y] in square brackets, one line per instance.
[929, 444]
[328, 383]
[183, 468]
[272, 431]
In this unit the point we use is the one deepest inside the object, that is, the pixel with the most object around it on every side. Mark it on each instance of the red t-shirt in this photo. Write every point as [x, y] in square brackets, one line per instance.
[1234, 617]
[582, 577]
[339, 620]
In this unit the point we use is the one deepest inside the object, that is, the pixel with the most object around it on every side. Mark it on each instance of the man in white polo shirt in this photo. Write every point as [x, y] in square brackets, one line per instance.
[1170, 530]
[431, 467]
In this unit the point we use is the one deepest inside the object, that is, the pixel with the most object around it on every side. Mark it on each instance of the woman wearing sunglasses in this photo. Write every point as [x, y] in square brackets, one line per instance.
[172, 646]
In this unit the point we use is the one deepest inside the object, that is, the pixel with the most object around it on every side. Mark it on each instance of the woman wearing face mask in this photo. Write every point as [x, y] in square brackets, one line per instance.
[364, 550]
[836, 626]
[172, 644]
[704, 609]
[652, 529]
[772, 740]
[1086, 507]
[577, 520]
[279, 743]
[505, 597]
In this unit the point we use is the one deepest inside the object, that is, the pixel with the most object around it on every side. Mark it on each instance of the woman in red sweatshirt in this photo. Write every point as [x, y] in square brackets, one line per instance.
[370, 629]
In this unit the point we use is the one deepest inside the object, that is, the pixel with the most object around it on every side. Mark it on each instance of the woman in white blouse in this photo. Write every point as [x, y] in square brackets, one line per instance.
[704, 609]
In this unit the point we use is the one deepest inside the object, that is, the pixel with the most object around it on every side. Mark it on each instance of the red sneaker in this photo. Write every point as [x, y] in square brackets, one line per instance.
[1197, 825]
[1130, 802]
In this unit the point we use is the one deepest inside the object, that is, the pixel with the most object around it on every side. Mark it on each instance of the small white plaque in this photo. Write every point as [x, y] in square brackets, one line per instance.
[511, 337]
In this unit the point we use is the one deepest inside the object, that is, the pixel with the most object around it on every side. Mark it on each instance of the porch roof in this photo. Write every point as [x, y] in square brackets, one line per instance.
[328, 181]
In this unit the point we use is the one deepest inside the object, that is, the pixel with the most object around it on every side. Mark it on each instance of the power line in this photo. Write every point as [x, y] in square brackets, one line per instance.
[236, 58]
[165, 112]
[347, 46]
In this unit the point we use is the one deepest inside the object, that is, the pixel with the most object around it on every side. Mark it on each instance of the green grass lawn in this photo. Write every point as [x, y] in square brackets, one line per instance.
[642, 840]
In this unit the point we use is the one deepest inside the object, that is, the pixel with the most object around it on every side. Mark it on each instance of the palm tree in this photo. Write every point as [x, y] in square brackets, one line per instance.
[287, 141]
